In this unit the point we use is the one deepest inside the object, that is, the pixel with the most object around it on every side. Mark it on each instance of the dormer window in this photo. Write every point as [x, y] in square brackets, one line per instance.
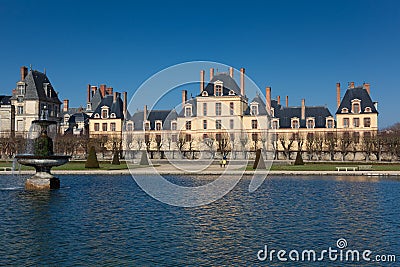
[218, 85]
[254, 109]
[104, 112]
[158, 125]
[21, 88]
[129, 126]
[231, 92]
[174, 126]
[345, 110]
[329, 123]
[97, 115]
[272, 112]
[147, 126]
[204, 93]
[275, 124]
[356, 106]
[367, 109]
[112, 115]
[310, 123]
[295, 123]
[188, 111]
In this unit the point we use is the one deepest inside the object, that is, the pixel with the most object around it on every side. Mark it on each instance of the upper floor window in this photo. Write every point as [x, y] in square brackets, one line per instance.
[104, 127]
[96, 115]
[345, 110]
[218, 110]
[104, 113]
[188, 111]
[310, 123]
[20, 110]
[147, 126]
[368, 109]
[204, 109]
[188, 125]
[329, 124]
[231, 108]
[231, 124]
[355, 106]
[204, 93]
[367, 122]
[158, 126]
[204, 124]
[113, 127]
[129, 126]
[254, 124]
[174, 126]
[275, 124]
[97, 127]
[254, 109]
[345, 122]
[112, 115]
[295, 124]
[21, 89]
[218, 124]
[356, 122]
[231, 92]
[218, 88]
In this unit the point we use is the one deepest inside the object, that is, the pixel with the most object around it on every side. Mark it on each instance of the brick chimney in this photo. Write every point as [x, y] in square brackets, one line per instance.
[24, 72]
[88, 93]
[184, 97]
[287, 101]
[338, 95]
[109, 91]
[242, 81]
[231, 72]
[268, 99]
[367, 87]
[124, 107]
[115, 96]
[278, 99]
[303, 109]
[351, 85]
[145, 113]
[94, 89]
[103, 90]
[211, 73]
[202, 72]
[66, 105]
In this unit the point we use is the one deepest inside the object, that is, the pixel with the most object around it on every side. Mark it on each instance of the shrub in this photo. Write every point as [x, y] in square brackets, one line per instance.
[299, 159]
[115, 160]
[92, 161]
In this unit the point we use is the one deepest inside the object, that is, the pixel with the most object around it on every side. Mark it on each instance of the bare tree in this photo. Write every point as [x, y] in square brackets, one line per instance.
[209, 143]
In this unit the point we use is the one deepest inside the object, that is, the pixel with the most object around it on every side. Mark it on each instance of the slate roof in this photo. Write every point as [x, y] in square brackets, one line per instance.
[261, 106]
[193, 102]
[228, 84]
[116, 107]
[34, 89]
[96, 99]
[285, 114]
[5, 100]
[166, 116]
[77, 118]
[357, 93]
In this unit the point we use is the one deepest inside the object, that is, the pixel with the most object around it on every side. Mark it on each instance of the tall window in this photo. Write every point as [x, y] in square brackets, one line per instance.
[112, 127]
[218, 90]
[204, 109]
[158, 126]
[104, 127]
[295, 124]
[188, 137]
[310, 123]
[356, 122]
[254, 124]
[346, 122]
[254, 137]
[188, 111]
[97, 127]
[188, 125]
[356, 107]
[218, 124]
[147, 126]
[329, 124]
[254, 110]
[129, 127]
[174, 138]
[275, 124]
[173, 126]
[367, 122]
[356, 137]
[218, 109]
[20, 110]
[231, 124]
[104, 113]
[204, 124]
[231, 108]
[21, 89]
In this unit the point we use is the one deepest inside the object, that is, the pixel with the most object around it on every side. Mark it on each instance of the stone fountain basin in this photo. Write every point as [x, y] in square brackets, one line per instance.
[42, 161]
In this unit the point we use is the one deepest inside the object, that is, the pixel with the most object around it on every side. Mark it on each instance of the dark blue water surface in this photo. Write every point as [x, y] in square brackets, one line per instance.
[100, 220]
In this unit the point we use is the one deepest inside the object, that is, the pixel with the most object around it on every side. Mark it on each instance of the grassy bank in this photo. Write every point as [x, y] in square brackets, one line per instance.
[73, 166]
[332, 166]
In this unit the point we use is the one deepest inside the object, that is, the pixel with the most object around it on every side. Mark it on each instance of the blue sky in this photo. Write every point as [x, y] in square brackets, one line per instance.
[299, 48]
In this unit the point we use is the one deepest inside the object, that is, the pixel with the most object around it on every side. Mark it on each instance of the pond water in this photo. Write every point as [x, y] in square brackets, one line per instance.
[99, 220]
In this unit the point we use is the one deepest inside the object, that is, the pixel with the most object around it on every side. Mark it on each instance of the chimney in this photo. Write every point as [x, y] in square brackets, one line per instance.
[94, 89]
[242, 81]
[115, 97]
[145, 113]
[24, 72]
[202, 72]
[231, 72]
[109, 91]
[88, 93]
[211, 73]
[367, 87]
[66, 104]
[287, 101]
[303, 109]
[103, 90]
[124, 107]
[268, 99]
[278, 99]
[351, 85]
[338, 94]
[184, 97]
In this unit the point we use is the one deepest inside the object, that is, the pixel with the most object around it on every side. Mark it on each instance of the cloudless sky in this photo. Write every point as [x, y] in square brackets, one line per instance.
[299, 48]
